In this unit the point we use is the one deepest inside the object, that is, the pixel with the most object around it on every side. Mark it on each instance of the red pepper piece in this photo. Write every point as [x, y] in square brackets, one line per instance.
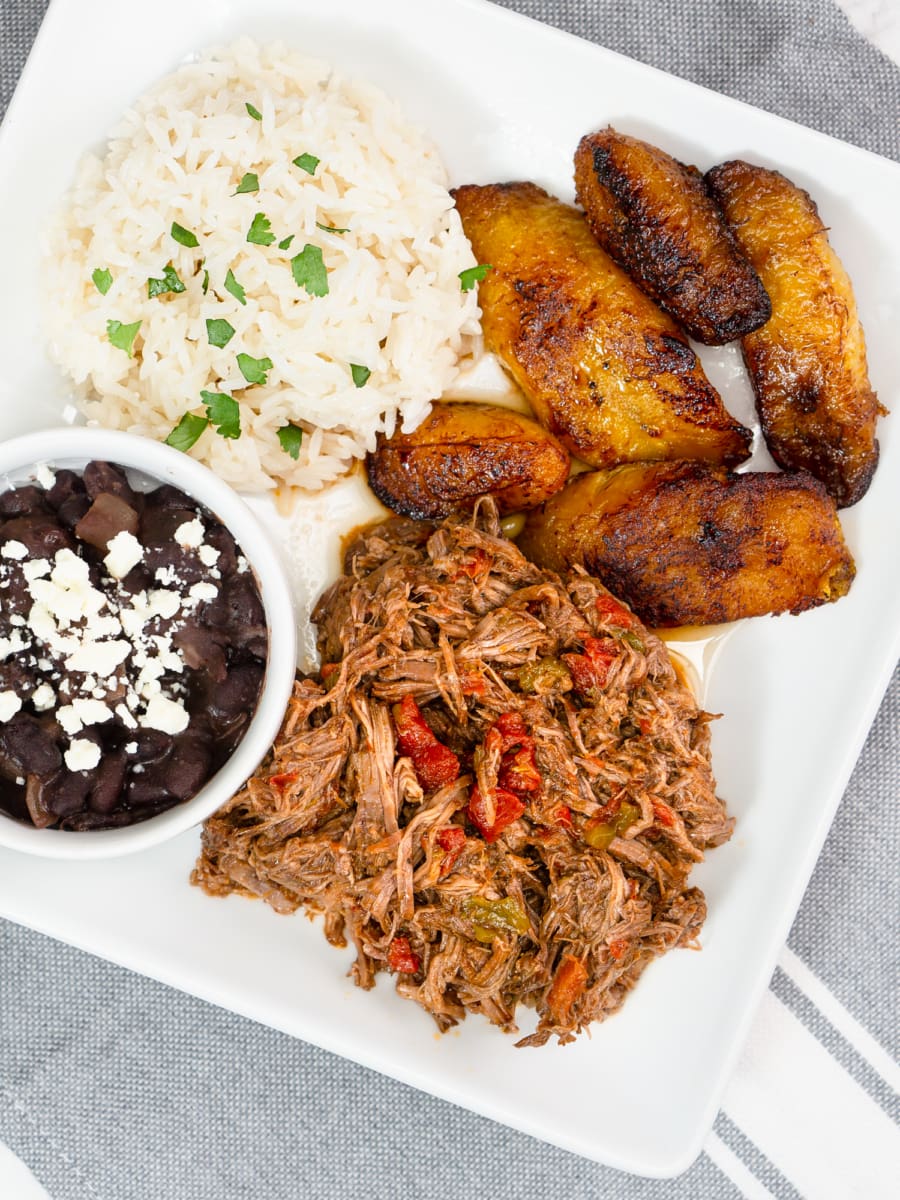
[613, 613]
[472, 683]
[474, 564]
[663, 813]
[617, 948]
[401, 957]
[507, 808]
[518, 771]
[512, 730]
[567, 987]
[282, 781]
[435, 764]
[451, 840]
[590, 670]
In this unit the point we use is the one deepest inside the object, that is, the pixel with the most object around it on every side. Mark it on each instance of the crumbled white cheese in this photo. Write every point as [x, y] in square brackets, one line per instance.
[100, 658]
[69, 719]
[164, 603]
[12, 645]
[131, 747]
[124, 552]
[43, 697]
[168, 716]
[208, 555]
[82, 755]
[44, 476]
[36, 568]
[13, 549]
[242, 565]
[166, 576]
[9, 706]
[203, 591]
[92, 712]
[125, 715]
[190, 535]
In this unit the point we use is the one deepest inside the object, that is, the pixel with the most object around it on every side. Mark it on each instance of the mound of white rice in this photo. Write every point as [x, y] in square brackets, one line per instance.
[394, 305]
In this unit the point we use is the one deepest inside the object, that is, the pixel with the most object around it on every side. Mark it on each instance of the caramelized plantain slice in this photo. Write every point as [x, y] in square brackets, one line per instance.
[689, 544]
[602, 367]
[462, 451]
[808, 363]
[655, 217]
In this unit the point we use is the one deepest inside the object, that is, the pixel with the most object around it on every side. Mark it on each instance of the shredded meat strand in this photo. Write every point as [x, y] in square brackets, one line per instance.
[568, 904]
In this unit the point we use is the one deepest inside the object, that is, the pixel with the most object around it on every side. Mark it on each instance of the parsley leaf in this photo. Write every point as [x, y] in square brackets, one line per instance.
[102, 280]
[232, 285]
[205, 284]
[285, 242]
[307, 163]
[249, 183]
[330, 228]
[219, 332]
[186, 432]
[254, 369]
[169, 283]
[122, 336]
[472, 275]
[360, 374]
[183, 236]
[260, 231]
[291, 438]
[309, 272]
[224, 413]
[254, 112]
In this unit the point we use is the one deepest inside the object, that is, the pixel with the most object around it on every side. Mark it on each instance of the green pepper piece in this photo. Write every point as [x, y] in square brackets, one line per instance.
[492, 916]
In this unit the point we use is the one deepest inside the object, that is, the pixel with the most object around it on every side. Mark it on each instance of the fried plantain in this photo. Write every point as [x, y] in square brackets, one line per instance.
[689, 544]
[463, 451]
[655, 217]
[808, 363]
[603, 368]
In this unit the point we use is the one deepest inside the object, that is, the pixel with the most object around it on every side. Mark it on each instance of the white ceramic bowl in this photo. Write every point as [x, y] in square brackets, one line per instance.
[74, 447]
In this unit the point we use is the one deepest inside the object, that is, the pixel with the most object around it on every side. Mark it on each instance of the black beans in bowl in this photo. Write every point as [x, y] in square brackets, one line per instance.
[133, 647]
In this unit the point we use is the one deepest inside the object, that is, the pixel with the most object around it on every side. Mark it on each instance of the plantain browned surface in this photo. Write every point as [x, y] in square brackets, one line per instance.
[603, 368]
[462, 451]
[808, 362]
[655, 217]
[690, 544]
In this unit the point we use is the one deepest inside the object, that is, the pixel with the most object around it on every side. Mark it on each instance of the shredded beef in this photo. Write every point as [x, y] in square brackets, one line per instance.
[494, 883]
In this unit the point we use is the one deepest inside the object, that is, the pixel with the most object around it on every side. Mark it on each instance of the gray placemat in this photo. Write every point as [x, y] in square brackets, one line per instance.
[114, 1087]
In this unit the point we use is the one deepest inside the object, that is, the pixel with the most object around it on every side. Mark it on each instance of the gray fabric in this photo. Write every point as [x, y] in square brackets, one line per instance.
[113, 1087]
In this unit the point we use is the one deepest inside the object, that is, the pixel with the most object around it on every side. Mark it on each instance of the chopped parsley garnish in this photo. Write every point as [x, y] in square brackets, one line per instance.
[205, 284]
[307, 163]
[309, 272]
[260, 231]
[360, 374]
[285, 242]
[169, 283]
[232, 285]
[224, 413]
[291, 438]
[219, 332]
[183, 236]
[122, 336]
[102, 280]
[254, 112]
[254, 369]
[186, 431]
[330, 228]
[250, 183]
[472, 275]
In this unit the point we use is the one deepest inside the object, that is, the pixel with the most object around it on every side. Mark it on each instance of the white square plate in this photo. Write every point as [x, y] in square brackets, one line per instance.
[504, 98]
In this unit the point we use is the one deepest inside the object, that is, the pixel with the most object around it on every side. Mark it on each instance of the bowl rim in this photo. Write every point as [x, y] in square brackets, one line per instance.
[77, 445]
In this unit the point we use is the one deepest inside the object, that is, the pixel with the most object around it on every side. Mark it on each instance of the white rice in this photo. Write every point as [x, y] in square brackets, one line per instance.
[394, 305]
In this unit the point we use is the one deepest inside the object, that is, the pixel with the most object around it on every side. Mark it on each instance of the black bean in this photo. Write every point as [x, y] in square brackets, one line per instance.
[29, 746]
[72, 509]
[66, 486]
[187, 767]
[104, 477]
[107, 786]
[18, 501]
